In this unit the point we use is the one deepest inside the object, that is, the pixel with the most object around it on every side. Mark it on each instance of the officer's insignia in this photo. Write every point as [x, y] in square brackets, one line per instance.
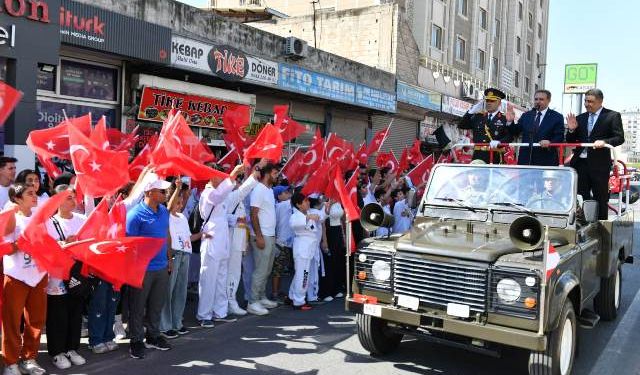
[499, 123]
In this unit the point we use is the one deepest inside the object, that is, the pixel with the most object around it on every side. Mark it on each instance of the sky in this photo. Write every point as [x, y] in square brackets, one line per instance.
[589, 31]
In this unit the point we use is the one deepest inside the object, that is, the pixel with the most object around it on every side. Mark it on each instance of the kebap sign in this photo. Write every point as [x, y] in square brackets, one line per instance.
[223, 61]
[97, 28]
[297, 79]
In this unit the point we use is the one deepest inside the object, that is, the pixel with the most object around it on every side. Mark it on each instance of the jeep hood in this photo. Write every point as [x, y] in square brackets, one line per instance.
[471, 241]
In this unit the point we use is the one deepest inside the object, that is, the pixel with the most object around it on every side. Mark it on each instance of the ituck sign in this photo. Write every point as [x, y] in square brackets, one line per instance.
[223, 61]
[100, 29]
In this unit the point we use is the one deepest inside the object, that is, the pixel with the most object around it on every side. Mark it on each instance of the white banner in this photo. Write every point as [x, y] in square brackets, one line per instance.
[190, 54]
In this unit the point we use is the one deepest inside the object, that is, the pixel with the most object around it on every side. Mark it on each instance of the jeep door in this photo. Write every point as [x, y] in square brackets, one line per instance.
[588, 240]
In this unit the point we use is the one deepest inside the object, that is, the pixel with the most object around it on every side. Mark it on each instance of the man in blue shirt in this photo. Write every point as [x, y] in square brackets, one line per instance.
[150, 218]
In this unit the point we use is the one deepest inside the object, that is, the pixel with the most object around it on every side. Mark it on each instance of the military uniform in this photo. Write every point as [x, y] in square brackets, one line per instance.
[486, 130]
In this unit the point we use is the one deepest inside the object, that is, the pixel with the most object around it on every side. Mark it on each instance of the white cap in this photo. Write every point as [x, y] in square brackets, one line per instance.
[155, 182]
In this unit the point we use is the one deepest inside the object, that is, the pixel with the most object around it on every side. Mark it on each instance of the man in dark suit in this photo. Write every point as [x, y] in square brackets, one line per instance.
[599, 126]
[488, 125]
[540, 125]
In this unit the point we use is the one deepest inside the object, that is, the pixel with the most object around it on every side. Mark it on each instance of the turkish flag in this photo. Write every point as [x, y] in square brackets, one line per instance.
[142, 159]
[99, 134]
[6, 217]
[97, 224]
[388, 160]
[54, 142]
[414, 155]
[445, 158]
[119, 261]
[312, 159]
[49, 166]
[362, 156]
[463, 156]
[36, 241]
[289, 128]
[293, 168]
[335, 147]
[352, 189]
[509, 156]
[120, 141]
[319, 179]
[99, 172]
[420, 174]
[181, 164]
[176, 127]
[267, 145]
[348, 160]
[337, 190]
[235, 123]
[377, 141]
[229, 161]
[404, 161]
[9, 98]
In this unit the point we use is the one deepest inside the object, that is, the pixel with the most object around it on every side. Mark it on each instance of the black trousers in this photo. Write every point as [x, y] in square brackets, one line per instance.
[334, 265]
[593, 184]
[64, 323]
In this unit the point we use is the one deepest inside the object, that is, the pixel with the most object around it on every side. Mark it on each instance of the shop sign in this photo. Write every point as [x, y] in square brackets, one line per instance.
[418, 96]
[223, 61]
[155, 105]
[8, 36]
[51, 114]
[294, 78]
[374, 98]
[97, 28]
[455, 106]
[33, 10]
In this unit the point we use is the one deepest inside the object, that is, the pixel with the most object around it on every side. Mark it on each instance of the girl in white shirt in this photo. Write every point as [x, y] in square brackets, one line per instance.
[64, 307]
[305, 244]
[24, 292]
[31, 177]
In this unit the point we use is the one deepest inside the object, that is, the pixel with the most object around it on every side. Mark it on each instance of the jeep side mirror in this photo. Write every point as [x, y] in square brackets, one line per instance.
[590, 210]
[633, 198]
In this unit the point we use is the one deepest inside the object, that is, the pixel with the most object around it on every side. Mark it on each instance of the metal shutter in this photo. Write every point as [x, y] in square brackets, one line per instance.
[351, 126]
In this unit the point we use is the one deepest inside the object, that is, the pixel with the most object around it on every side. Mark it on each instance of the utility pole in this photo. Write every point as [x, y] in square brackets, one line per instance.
[313, 3]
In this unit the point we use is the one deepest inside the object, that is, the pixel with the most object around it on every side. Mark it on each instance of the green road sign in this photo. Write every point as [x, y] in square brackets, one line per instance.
[578, 78]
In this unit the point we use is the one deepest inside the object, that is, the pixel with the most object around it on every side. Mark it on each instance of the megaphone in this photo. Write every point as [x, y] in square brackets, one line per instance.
[374, 217]
[526, 233]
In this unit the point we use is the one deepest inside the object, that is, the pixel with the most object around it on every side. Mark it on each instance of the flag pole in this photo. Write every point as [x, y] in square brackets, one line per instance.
[386, 134]
[543, 281]
[348, 261]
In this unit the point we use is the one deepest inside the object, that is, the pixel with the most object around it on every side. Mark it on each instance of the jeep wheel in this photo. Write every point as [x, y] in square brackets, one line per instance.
[561, 348]
[375, 336]
[607, 301]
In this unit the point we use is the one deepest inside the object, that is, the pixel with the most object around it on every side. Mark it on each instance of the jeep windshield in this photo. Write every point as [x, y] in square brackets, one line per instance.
[497, 187]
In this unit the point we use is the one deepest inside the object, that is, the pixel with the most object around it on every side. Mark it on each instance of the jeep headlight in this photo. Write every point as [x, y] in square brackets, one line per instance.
[381, 270]
[508, 290]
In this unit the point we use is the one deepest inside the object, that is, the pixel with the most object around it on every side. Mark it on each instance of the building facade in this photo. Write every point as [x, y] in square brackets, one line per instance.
[631, 126]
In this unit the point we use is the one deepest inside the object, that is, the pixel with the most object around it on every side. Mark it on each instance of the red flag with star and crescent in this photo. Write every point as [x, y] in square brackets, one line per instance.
[235, 123]
[120, 141]
[54, 142]
[420, 174]
[319, 179]
[9, 99]
[99, 134]
[44, 249]
[337, 190]
[362, 155]
[377, 141]
[414, 155]
[293, 168]
[289, 128]
[99, 172]
[268, 145]
[313, 157]
[388, 160]
[142, 159]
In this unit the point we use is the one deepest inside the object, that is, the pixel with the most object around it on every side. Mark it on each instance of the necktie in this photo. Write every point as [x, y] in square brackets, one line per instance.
[536, 121]
[489, 117]
[591, 123]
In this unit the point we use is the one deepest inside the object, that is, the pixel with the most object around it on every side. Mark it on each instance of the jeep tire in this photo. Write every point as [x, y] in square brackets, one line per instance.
[376, 336]
[561, 349]
[607, 301]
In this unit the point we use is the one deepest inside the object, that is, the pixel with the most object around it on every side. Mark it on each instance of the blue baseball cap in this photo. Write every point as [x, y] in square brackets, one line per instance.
[277, 190]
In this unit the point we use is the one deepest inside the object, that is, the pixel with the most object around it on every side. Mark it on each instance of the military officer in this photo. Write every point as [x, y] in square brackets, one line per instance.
[488, 125]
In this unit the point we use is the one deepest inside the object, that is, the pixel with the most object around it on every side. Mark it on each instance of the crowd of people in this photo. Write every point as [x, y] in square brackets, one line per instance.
[251, 229]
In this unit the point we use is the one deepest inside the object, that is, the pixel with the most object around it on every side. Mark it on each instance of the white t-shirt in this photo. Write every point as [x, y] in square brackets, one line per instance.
[335, 214]
[20, 265]
[401, 217]
[384, 231]
[180, 233]
[262, 198]
[4, 196]
[70, 227]
[284, 233]
[317, 227]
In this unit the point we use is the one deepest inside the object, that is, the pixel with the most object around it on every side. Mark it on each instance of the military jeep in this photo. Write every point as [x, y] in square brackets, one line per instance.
[498, 256]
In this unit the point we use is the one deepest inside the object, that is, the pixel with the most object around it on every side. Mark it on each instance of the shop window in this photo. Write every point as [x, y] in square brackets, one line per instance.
[88, 81]
[46, 79]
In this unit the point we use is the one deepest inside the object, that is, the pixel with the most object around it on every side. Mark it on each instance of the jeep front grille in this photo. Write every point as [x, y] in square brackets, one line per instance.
[437, 284]
[371, 256]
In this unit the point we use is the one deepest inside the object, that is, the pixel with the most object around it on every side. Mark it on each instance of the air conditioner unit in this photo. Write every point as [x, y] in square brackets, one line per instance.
[478, 94]
[295, 47]
[468, 90]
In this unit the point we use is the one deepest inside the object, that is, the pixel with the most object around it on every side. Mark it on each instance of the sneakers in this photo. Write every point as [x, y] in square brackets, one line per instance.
[183, 331]
[118, 328]
[206, 323]
[157, 343]
[11, 370]
[304, 307]
[226, 319]
[256, 308]
[76, 358]
[269, 304]
[136, 350]
[61, 361]
[170, 334]
[100, 348]
[31, 367]
[237, 310]
[315, 302]
[111, 345]
[328, 299]
[339, 295]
